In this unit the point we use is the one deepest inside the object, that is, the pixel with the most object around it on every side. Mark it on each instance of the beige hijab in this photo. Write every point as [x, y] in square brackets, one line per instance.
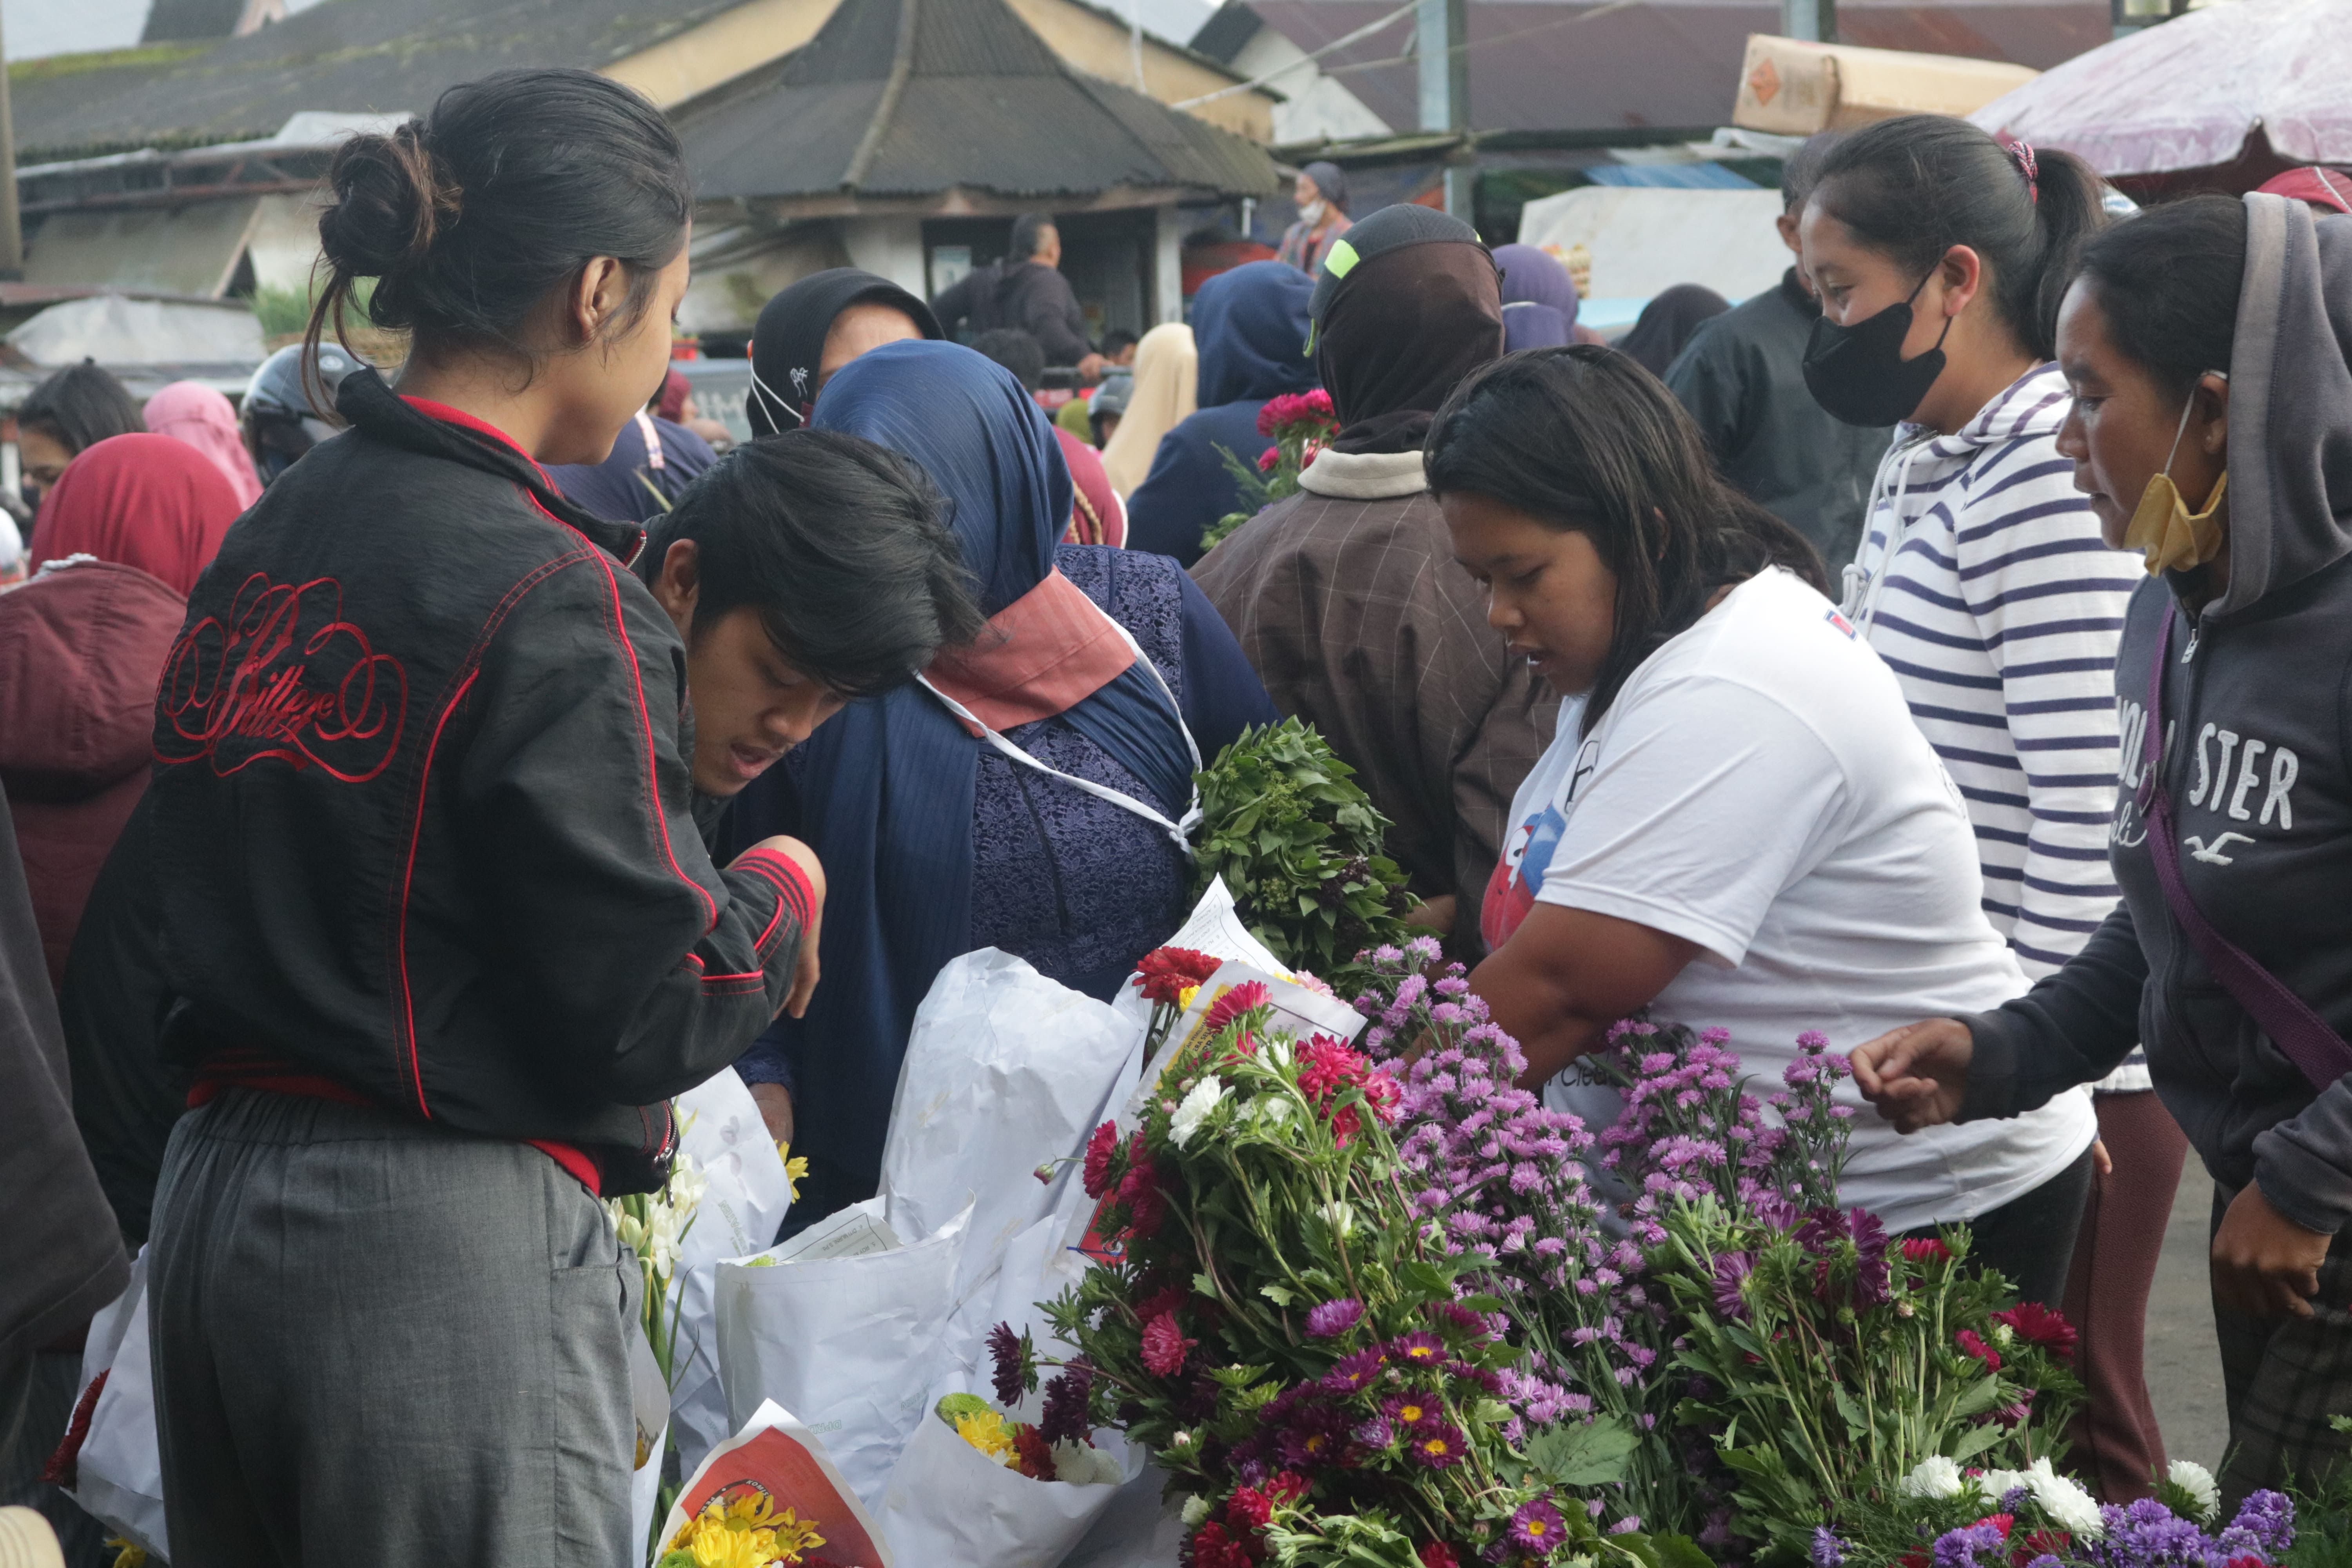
[1167, 376]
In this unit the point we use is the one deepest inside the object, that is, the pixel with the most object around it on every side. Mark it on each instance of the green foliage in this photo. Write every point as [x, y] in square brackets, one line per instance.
[1283, 822]
[286, 313]
[2324, 1515]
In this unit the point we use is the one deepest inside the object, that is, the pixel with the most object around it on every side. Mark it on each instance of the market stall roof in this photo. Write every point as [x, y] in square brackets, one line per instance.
[2191, 93]
[910, 99]
[1579, 65]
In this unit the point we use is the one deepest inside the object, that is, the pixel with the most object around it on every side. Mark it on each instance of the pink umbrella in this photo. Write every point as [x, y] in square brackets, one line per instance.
[2187, 94]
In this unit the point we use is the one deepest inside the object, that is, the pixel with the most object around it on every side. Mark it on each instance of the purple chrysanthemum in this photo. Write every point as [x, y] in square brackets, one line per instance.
[1417, 1349]
[1731, 1272]
[1352, 1374]
[2266, 1521]
[1827, 1551]
[1332, 1318]
[1014, 1376]
[1436, 1444]
[1065, 1418]
[1537, 1527]
[1312, 1440]
[1959, 1548]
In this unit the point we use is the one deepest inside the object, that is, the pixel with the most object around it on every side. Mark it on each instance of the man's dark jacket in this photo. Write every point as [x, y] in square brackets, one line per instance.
[1742, 378]
[420, 820]
[1029, 295]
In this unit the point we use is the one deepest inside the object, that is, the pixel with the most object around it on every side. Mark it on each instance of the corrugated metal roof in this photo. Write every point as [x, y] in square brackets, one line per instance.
[985, 105]
[1575, 65]
[391, 56]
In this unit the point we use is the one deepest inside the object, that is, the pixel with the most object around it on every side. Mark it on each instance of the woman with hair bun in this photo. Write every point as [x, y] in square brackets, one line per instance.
[1940, 253]
[441, 934]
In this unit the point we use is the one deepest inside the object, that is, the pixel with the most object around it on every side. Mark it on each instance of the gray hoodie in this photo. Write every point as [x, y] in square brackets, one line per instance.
[2258, 762]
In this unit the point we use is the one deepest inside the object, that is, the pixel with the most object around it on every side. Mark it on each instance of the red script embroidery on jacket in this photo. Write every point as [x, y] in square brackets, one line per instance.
[286, 676]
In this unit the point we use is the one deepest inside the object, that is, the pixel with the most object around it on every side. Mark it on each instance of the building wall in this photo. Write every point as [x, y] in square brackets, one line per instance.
[1315, 107]
[1099, 45]
[892, 246]
[721, 48]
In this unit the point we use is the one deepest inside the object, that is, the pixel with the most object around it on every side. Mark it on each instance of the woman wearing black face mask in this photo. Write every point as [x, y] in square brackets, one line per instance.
[1941, 255]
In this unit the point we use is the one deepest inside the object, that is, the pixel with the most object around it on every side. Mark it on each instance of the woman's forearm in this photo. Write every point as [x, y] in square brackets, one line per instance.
[1567, 974]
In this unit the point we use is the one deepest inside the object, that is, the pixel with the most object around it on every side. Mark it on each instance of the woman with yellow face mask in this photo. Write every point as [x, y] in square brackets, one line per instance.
[2204, 343]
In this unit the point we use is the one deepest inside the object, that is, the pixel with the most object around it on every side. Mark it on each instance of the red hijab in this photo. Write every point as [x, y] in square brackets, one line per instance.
[147, 501]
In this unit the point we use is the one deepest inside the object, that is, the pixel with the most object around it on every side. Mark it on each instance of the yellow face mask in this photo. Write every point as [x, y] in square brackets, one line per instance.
[2173, 538]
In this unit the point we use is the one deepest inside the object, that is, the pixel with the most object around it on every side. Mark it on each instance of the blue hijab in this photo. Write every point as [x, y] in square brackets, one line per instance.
[885, 787]
[1250, 324]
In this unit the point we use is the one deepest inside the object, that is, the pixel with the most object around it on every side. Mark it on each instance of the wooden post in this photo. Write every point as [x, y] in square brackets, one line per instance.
[12, 231]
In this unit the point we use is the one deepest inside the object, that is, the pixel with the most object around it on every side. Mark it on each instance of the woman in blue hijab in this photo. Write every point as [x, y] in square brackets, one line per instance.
[1540, 300]
[1029, 797]
[1250, 325]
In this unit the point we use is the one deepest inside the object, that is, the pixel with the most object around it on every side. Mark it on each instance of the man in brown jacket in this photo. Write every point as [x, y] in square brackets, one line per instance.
[1347, 597]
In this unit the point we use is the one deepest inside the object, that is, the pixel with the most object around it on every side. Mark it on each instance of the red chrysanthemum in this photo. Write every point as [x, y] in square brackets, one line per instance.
[1212, 1548]
[1345, 1124]
[2000, 1521]
[1169, 971]
[1926, 1249]
[2037, 1324]
[1248, 1509]
[1236, 1001]
[1034, 1454]
[1437, 1554]
[1286, 1488]
[1326, 1066]
[1099, 1149]
[1381, 1092]
[1268, 458]
[1165, 1346]
[1971, 1343]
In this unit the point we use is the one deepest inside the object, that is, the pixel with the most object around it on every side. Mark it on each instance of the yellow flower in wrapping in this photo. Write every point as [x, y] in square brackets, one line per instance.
[984, 1430]
[747, 1510]
[794, 1536]
[714, 1545]
[1184, 997]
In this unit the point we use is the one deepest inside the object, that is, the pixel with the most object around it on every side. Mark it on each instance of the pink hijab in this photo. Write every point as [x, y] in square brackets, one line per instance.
[191, 412]
[147, 501]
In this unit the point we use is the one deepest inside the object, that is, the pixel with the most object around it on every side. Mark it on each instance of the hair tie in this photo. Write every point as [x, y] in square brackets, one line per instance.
[2022, 154]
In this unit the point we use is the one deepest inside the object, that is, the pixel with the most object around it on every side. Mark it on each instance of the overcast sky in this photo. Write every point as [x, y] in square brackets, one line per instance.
[37, 27]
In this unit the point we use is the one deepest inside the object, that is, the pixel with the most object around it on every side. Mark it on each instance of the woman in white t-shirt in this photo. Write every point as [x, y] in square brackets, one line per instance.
[1742, 826]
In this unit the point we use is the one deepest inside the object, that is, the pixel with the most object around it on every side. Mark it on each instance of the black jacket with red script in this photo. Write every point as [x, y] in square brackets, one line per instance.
[421, 820]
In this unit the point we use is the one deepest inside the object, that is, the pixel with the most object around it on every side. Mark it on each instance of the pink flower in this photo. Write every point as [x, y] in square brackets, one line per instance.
[2037, 1324]
[1099, 1149]
[1235, 1000]
[1268, 458]
[1165, 1346]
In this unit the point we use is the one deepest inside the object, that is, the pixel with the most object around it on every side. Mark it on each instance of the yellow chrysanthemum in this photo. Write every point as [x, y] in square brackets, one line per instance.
[748, 1510]
[795, 1536]
[1184, 997]
[714, 1545]
[984, 1430]
[127, 1554]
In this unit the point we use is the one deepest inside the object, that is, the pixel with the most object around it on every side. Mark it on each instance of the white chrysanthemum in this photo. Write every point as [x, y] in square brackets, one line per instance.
[1084, 1465]
[1196, 1509]
[1994, 1485]
[1186, 1123]
[1277, 1054]
[1339, 1216]
[2068, 1505]
[2197, 1482]
[1935, 1477]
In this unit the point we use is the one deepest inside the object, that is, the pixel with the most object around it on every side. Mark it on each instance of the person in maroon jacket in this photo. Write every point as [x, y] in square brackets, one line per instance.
[439, 933]
[131, 523]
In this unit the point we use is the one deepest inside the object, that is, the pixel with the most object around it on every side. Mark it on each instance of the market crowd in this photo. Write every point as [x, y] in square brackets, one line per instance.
[420, 778]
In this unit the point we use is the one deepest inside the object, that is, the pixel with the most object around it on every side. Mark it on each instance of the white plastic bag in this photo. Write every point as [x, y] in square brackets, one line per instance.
[118, 1474]
[745, 1200]
[947, 1503]
[1137, 1530]
[776, 1458]
[644, 1494]
[846, 1340]
[1004, 1071]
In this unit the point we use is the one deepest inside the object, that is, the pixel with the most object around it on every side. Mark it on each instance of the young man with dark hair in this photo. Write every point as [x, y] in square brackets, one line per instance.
[1119, 348]
[1742, 378]
[1028, 291]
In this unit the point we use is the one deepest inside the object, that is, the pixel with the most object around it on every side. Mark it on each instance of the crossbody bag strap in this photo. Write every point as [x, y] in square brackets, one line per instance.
[2318, 1050]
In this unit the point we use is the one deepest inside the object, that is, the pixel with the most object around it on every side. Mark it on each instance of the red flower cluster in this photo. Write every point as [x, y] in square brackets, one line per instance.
[1970, 1341]
[1169, 971]
[2038, 1325]
[1139, 1193]
[1231, 1539]
[1099, 1149]
[1437, 1554]
[1328, 1068]
[1312, 409]
[1236, 1001]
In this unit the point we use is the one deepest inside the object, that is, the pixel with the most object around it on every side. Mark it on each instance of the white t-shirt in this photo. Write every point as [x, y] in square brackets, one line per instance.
[1758, 788]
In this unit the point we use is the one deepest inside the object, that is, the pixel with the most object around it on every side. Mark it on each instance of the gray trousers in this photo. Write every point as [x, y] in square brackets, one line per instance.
[380, 1345]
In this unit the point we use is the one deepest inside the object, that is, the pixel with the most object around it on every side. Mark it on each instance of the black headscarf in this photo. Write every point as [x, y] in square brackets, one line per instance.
[788, 341]
[1402, 329]
[1667, 323]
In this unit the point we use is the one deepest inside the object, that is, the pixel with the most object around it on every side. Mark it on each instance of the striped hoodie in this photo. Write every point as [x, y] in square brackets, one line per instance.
[1982, 582]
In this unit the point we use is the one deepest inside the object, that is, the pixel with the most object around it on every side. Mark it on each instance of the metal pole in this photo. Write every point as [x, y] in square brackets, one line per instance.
[12, 232]
[1442, 42]
[1815, 21]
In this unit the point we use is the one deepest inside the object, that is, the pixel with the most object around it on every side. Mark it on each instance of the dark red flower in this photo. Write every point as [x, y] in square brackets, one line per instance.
[1169, 971]
[1012, 1371]
[1968, 1341]
[1268, 458]
[1212, 1548]
[1099, 1150]
[1165, 1346]
[1159, 1301]
[1248, 1509]
[2000, 1521]
[1437, 1554]
[2037, 1324]
[1285, 1488]
[1036, 1455]
[1926, 1249]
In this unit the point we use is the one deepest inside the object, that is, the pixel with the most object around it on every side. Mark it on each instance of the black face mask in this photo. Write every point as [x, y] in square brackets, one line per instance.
[1858, 373]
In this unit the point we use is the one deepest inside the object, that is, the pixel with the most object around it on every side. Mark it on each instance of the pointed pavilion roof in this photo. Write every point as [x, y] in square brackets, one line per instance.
[911, 99]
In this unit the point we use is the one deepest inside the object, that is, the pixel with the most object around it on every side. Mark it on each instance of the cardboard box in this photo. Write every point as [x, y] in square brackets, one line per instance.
[1792, 88]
